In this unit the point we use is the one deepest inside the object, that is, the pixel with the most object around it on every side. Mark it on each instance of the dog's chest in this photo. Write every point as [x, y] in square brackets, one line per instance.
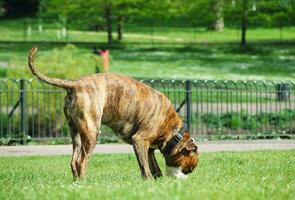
[124, 130]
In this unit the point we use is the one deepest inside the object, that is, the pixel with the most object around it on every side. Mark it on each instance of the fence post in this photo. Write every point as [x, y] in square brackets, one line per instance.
[188, 99]
[23, 110]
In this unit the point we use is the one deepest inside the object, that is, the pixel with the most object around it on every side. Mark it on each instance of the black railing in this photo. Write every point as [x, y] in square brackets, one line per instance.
[29, 108]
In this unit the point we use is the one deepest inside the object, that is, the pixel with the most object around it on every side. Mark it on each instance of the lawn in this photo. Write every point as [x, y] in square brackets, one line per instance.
[199, 53]
[137, 32]
[224, 175]
[259, 62]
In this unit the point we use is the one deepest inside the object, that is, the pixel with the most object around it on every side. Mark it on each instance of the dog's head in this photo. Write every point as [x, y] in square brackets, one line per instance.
[183, 158]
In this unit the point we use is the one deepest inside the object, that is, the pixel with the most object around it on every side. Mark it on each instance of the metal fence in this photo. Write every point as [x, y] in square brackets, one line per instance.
[29, 108]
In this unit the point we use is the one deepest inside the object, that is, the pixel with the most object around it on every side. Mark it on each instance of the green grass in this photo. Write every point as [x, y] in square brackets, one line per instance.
[225, 175]
[16, 30]
[263, 62]
[211, 58]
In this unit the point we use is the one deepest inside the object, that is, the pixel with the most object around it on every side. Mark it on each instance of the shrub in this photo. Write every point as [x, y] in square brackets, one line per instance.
[280, 19]
[260, 20]
[211, 120]
[244, 120]
[9, 127]
[47, 125]
[3, 72]
[67, 62]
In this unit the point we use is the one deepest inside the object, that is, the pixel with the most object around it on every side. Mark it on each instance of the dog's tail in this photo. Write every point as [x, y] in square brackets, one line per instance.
[66, 84]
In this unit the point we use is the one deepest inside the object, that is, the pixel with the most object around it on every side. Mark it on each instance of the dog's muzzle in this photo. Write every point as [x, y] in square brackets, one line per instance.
[175, 172]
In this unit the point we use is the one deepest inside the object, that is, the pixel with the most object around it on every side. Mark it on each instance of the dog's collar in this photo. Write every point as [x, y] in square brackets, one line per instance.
[174, 140]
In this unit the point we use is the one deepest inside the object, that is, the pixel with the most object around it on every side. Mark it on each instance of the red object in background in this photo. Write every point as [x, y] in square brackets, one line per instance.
[105, 60]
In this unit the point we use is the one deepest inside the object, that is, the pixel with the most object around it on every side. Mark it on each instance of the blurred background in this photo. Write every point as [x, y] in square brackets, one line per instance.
[215, 39]
[190, 44]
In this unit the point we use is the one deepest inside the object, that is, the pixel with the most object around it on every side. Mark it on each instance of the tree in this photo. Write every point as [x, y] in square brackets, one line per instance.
[63, 10]
[244, 22]
[93, 13]
[2, 9]
[262, 13]
[147, 10]
[107, 5]
[240, 9]
[208, 13]
[124, 9]
[103, 14]
[19, 8]
[216, 22]
[158, 9]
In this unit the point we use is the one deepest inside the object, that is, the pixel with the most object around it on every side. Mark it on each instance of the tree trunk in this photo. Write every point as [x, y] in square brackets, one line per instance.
[108, 14]
[120, 26]
[218, 21]
[244, 23]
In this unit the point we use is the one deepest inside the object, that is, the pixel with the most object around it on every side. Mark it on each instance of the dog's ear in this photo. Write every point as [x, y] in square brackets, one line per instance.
[182, 146]
[186, 136]
[191, 146]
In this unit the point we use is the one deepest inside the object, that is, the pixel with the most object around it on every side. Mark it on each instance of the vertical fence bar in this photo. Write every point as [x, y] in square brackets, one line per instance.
[188, 97]
[23, 120]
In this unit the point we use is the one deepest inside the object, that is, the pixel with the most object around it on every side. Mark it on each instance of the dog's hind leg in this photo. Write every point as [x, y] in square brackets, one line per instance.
[76, 150]
[88, 129]
[76, 142]
[155, 169]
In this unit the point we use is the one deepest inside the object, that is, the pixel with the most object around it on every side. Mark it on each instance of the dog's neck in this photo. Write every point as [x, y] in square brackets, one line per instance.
[170, 127]
[174, 140]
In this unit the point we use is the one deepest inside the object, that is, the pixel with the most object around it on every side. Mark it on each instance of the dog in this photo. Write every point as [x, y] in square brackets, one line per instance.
[138, 114]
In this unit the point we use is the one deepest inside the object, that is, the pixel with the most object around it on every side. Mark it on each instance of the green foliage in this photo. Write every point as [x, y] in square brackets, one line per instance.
[6, 125]
[2, 11]
[92, 13]
[225, 175]
[68, 63]
[244, 120]
[10, 131]
[3, 72]
[47, 125]
[105, 140]
[267, 62]
[211, 120]
[260, 20]
[280, 19]
[76, 14]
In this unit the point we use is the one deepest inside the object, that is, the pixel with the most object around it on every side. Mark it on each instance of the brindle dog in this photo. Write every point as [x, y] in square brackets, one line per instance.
[137, 113]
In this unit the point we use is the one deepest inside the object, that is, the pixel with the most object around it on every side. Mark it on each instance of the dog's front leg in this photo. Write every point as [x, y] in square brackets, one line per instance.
[141, 147]
[155, 169]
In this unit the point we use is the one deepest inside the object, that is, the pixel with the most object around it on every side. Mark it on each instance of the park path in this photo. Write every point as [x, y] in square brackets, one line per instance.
[212, 146]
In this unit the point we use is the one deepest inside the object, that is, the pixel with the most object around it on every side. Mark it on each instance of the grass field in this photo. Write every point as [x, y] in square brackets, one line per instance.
[263, 62]
[225, 175]
[201, 54]
[143, 32]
